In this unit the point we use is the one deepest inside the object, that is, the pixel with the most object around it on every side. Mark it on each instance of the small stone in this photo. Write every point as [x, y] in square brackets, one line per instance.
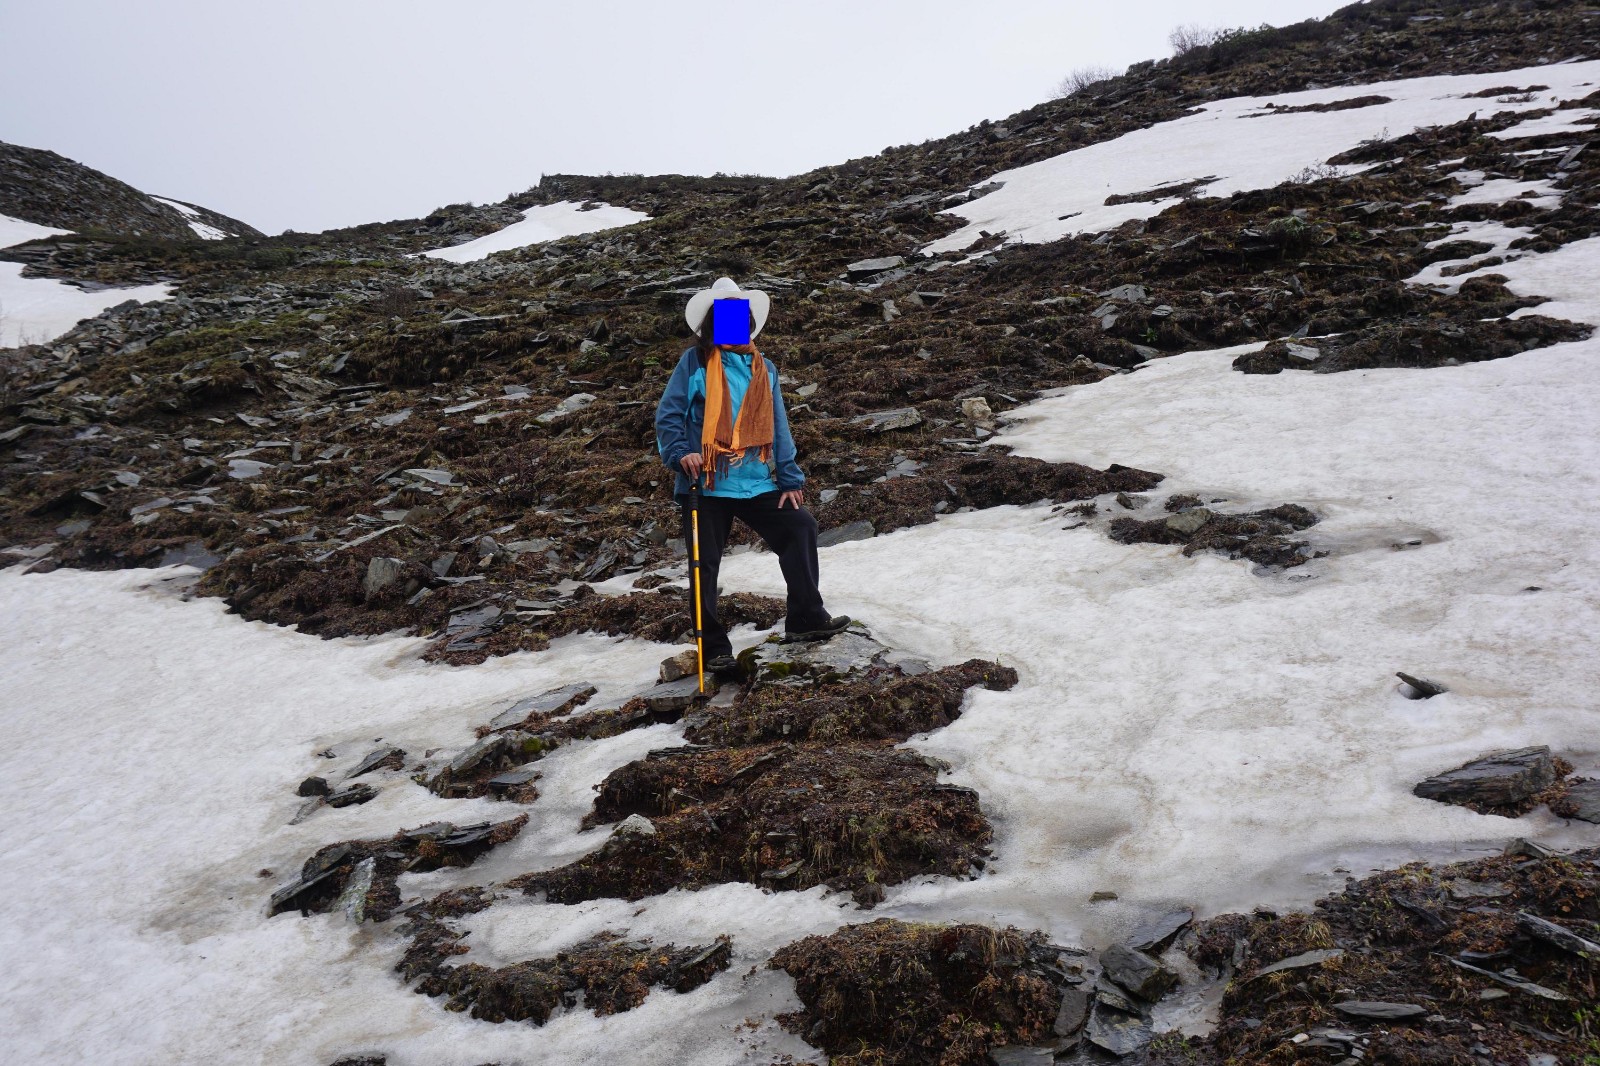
[1014, 1055]
[861, 530]
[634, 825]
[885, 421]
[435, 477]
[1102, 896]
[313, 786]
[976, 409]
[246, 468]
[382, 571]
[683, 664]
[571, 405]
[865, 268]
[1419, 688]
[352, 795]
[1500, 779]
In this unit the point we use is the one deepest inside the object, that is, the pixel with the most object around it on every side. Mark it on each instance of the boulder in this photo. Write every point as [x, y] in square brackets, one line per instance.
[684, 664]
[1499, 779]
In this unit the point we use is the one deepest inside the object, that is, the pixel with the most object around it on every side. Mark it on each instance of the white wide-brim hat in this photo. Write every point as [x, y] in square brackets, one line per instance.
[725, 289]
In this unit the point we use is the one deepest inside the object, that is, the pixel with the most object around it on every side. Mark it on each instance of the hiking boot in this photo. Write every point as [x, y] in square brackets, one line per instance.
[721, 664]
[821, 630]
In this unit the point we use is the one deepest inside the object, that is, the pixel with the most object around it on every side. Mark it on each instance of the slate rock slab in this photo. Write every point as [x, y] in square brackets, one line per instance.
[1356, 1008]
[884, 421]
[1585, 796]
[1499, 779]
[861, 530]
[555, 702]
[1137, 972]
[1119, 1034]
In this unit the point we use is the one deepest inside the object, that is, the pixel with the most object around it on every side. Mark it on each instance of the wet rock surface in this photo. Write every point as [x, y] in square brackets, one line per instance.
[327, 874]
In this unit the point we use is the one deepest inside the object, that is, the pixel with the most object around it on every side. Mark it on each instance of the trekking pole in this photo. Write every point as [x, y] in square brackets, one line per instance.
[694, 572]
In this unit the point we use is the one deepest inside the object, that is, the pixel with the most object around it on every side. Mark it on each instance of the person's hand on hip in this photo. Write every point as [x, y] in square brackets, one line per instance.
[793, 497]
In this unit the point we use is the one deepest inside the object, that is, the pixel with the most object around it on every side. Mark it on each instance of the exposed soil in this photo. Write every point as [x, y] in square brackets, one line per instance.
[1263, 537]
[604, 973]
[780, 816]
[1431, 344]
[898, 994]
[1398, 932]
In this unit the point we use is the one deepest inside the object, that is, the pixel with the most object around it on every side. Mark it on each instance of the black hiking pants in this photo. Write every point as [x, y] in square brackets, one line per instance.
[791, 533]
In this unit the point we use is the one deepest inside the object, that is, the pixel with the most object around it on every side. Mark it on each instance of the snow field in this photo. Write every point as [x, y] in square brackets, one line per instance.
[38, 310]
[1066, 194]
[545, 222]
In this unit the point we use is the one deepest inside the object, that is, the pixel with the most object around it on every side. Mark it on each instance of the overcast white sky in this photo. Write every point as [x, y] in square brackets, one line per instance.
[310, 114]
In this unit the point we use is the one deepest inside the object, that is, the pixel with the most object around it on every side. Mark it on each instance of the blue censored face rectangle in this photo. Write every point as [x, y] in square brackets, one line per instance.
[730, 322]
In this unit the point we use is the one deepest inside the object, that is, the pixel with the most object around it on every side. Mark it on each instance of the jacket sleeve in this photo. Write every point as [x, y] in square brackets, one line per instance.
[672, 436]
[789, 475]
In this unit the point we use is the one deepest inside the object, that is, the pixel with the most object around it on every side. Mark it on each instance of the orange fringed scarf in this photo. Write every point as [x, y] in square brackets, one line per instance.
[724, 440]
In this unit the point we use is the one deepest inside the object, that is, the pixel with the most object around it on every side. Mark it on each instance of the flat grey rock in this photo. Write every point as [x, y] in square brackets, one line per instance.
[846, 653]
[674, 695]
[861, 530]
[1498, 779]
[1012, 1055]
[865, 268]
[1121, 1035]
[1073, 1011]
[1133, 294]
[1586, 796]
[556, 701]
[1155, 934]
[1296, 962]
[1356, 1008]
[884, 421]
[1189, 520]
[373, 760]
[571, 405]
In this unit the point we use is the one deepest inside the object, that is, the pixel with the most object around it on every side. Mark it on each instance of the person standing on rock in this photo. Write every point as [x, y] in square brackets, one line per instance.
[721, 425]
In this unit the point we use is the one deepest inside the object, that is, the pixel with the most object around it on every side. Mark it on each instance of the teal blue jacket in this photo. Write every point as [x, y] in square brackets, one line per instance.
[681, 413]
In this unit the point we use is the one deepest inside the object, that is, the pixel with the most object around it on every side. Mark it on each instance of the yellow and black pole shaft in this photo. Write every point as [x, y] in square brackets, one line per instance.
[694, 573]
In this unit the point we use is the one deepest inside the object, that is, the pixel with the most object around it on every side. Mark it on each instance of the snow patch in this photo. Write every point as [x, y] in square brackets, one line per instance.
[546, 222]
[1242, 142]
[192, 216]
[1572, 120]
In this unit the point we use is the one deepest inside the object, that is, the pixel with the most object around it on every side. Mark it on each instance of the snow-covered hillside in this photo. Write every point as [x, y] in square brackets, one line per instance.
[38, 310]
[416, 488]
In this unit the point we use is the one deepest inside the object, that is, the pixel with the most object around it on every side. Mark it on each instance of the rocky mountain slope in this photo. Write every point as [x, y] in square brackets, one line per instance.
[42, 187]
[353, 438]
